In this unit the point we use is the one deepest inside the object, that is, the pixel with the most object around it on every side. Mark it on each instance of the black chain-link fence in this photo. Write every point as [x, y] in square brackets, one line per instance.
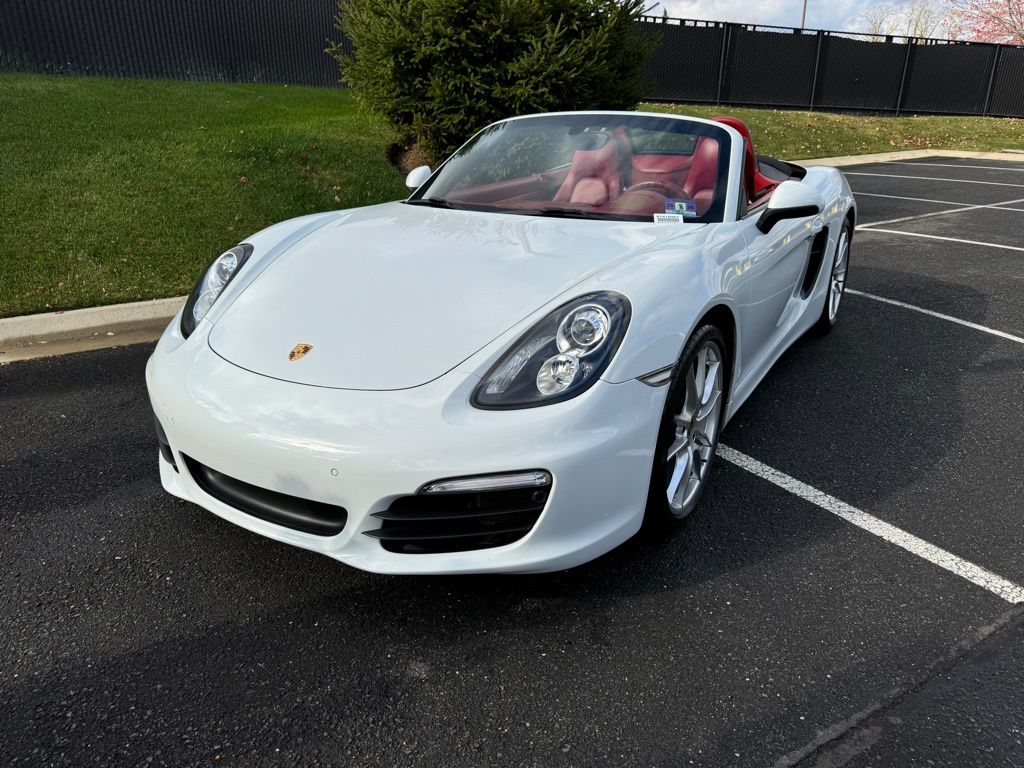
[283, 41]
[269, 41]
[747, 64]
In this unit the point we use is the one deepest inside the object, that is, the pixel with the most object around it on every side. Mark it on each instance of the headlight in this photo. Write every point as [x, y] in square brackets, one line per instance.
[210, 286]
[560, 357]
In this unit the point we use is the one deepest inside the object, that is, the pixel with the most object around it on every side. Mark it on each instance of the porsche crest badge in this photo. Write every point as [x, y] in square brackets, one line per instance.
[299, 351]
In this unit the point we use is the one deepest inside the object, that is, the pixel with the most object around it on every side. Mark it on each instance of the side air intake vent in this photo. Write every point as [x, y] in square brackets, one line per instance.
[814, 261]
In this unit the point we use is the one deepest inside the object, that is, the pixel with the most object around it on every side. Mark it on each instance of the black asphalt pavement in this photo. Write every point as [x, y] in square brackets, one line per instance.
[136, 629]
[970, 713]
[971, 282]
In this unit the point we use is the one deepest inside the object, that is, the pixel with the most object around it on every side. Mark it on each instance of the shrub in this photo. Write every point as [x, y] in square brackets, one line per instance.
[440, 70]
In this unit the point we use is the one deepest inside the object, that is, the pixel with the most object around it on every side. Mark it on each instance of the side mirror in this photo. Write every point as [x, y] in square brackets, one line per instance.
[417, 177]
[790, 200]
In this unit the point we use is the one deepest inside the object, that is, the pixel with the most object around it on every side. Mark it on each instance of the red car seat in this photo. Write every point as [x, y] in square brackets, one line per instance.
[756, 183]
[703, 176]
[595, 176]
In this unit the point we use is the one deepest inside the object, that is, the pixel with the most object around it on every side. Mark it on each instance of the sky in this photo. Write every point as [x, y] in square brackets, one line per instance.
[842, 15]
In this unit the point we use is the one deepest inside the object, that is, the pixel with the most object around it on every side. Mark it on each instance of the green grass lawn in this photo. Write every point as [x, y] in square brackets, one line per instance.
[120, 190]
[792, 135]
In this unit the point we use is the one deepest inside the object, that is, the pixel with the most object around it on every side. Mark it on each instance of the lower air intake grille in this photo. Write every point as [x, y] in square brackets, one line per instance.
[459, 522]
[292, 512]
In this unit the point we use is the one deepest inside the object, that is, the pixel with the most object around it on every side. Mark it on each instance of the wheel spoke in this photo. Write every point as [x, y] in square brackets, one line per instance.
[712, 390]
[699, 463]
[678, 445]
[694, 477]
[691, 399]
[679, 480]
[702, 371]
[708, 409]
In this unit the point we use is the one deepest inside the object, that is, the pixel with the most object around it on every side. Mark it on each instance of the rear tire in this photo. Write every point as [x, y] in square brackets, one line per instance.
[690, 425]
[836, 281]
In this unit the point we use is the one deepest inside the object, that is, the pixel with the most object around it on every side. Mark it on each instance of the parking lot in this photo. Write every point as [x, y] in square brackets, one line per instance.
[847, 594]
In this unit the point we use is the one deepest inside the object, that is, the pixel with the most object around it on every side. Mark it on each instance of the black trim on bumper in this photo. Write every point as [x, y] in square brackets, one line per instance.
[293, 512]
[165, 446]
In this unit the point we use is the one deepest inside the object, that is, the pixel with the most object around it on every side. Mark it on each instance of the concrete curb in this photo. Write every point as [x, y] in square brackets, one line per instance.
[911, 154]
[92, 328]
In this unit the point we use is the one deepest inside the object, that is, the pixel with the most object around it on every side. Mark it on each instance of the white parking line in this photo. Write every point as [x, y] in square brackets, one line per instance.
[901, 197]
[949, 239]
[993, 206]
[997, 585]
[954, 165]
[932, 178]
[937, 213]
[950, 318]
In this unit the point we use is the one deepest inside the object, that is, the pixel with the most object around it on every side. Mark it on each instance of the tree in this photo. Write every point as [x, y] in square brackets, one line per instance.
[989, 21]
[917, 18]
[439, 70]
[924, 18]
[880, 20]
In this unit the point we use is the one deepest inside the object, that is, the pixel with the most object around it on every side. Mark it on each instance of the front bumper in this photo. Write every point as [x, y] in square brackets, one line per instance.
[363, 449]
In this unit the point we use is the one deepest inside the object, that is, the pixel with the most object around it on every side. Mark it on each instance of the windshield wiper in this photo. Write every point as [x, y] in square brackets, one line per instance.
[433, 202]
[566, 213]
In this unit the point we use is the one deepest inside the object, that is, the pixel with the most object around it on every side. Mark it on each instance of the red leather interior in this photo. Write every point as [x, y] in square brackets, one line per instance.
[672, 168]
[756, 183]
[637, 202]
[594, 177]
[703, 173]
[591, 190]
[533, 187]
[703, 200]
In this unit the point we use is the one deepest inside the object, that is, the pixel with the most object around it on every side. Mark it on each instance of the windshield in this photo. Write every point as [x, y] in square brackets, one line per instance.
[602, 166]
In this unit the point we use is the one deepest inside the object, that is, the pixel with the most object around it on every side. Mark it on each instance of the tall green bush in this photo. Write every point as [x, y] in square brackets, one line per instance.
[439, 70]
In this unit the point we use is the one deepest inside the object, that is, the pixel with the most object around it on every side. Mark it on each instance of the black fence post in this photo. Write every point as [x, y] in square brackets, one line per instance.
[992, 78]
[903, 77]
[817, 68]
[723, 59]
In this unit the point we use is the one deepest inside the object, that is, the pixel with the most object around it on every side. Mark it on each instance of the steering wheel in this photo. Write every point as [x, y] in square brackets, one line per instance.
[667, 188]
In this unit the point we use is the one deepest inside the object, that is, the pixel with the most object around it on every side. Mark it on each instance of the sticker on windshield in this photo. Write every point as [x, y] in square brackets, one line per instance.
[686, 208]
[668, 218]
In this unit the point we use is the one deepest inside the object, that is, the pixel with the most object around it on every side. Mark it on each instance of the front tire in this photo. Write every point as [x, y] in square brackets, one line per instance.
[690, 426]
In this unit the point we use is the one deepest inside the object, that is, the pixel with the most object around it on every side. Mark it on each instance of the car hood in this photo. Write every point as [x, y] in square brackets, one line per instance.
[395, 295]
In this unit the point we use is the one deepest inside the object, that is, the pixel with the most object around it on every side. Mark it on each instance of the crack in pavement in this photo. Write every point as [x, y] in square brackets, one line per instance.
[840, 742]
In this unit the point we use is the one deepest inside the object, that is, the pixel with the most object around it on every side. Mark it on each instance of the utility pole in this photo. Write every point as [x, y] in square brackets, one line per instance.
[803, 16]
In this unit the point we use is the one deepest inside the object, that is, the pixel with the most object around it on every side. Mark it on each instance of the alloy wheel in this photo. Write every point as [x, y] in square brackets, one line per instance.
[696, 435]
[837, 283]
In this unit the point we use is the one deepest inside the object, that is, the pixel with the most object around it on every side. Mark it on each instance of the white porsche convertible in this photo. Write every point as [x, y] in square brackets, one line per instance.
[517, 367]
